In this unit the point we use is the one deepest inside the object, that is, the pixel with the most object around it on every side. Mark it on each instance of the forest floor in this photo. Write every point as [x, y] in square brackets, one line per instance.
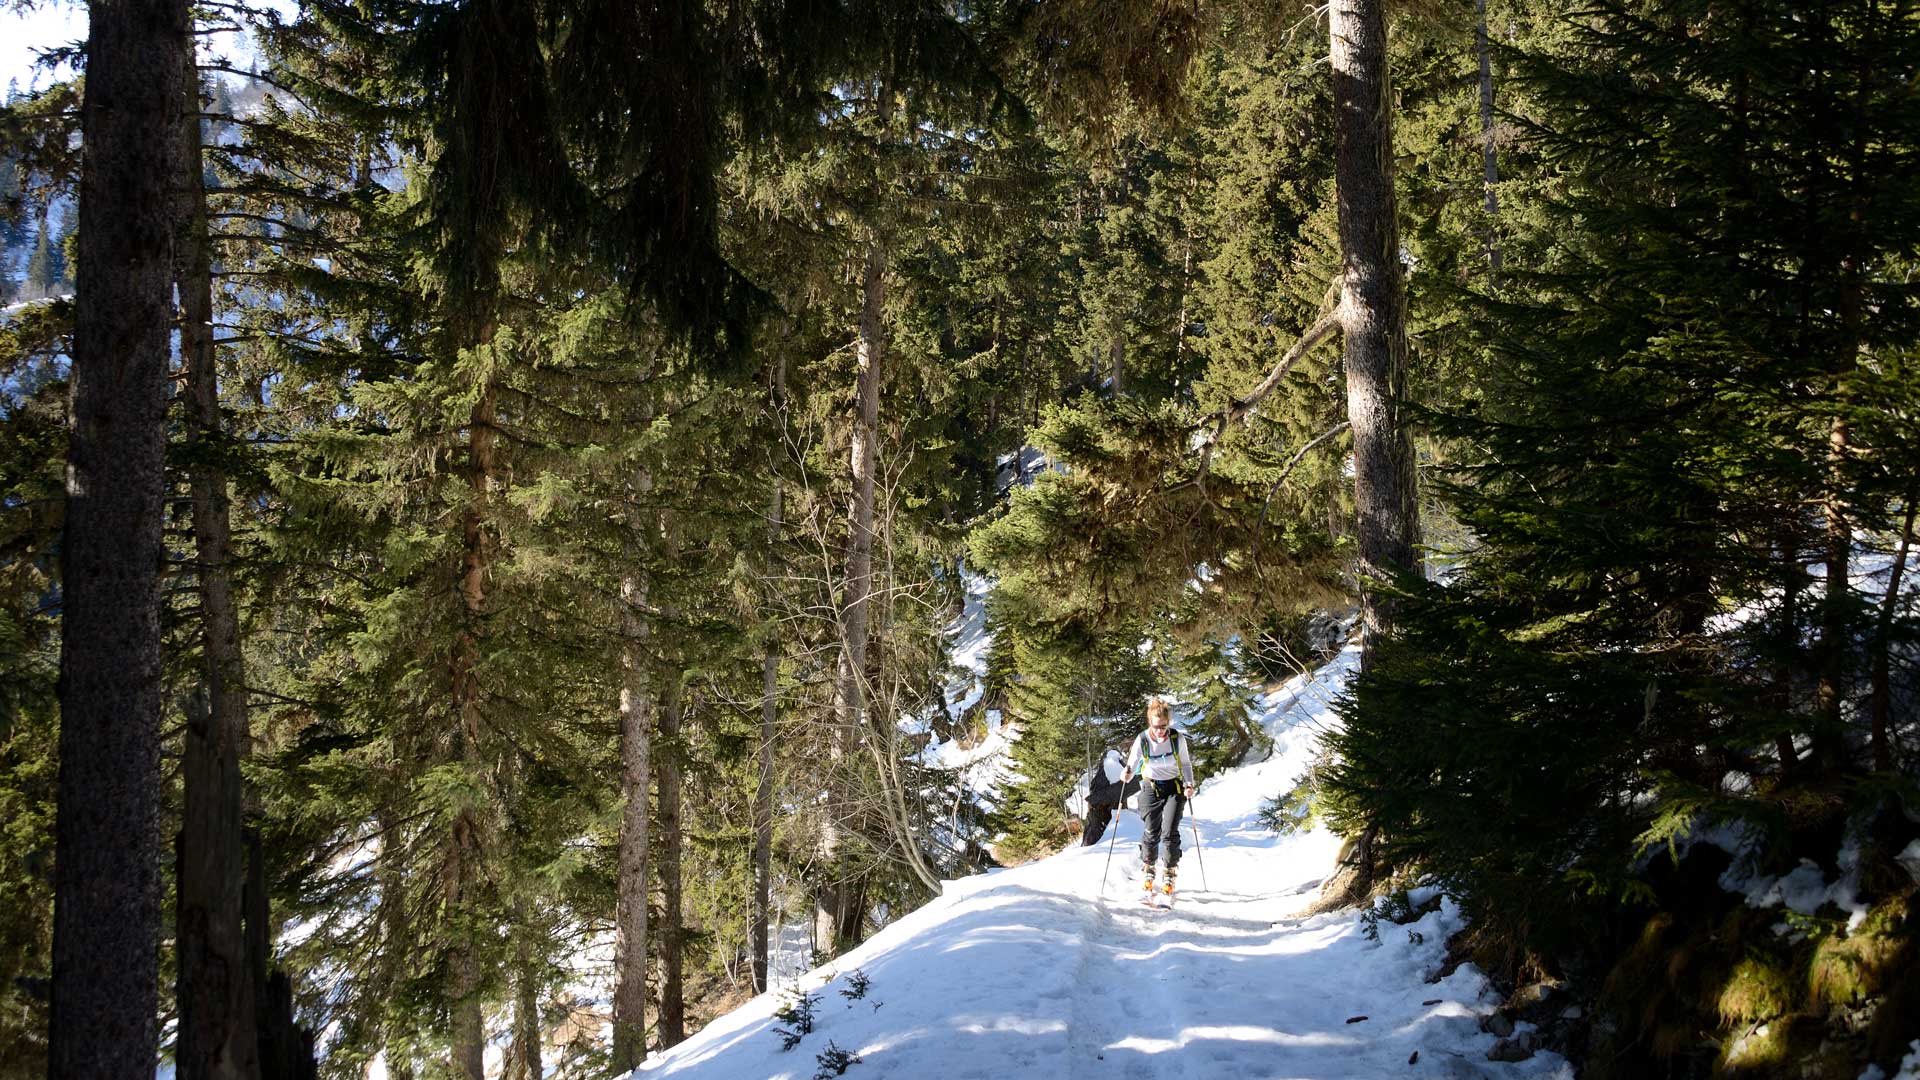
[1037, 972]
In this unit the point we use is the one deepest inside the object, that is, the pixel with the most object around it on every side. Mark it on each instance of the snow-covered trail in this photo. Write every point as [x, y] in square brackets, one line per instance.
[1221, 987]
[1030, 973]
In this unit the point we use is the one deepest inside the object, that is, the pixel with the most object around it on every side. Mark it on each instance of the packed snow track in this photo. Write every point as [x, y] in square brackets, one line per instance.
[1037, 973]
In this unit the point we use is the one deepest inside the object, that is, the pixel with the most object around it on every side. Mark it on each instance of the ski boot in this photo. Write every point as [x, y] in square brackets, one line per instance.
[1167, 889]
[1147, 893]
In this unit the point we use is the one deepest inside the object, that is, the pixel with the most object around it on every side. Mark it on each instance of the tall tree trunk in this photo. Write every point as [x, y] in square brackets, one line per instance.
[1373, 306]
[1880, 693]
[871, 354]
[1836, 622]
[1117, 359]
[834, 916]
[636, 748]
[526, 1011]
[1186, 288]
[106, 922]
[673, 1009]
[1486, 134]
[1836, 638]
[1788, 643]
[761, 915]
[259, 930]
[397, 940]
[286, 1048]
[466, 875]
[217, 1037]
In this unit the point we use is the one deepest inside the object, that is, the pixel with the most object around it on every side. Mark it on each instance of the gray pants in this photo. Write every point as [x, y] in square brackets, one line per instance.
[1161, 805]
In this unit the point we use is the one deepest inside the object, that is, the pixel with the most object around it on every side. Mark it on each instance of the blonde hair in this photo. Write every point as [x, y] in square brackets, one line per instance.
[1158, 705]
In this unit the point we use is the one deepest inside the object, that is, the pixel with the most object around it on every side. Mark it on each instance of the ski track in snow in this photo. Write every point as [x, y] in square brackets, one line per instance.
[1037, 973]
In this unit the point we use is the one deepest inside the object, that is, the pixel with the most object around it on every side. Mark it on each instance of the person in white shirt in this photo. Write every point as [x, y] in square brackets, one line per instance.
[1164, 761]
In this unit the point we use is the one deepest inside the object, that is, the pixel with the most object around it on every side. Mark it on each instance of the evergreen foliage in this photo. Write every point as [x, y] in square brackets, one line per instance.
[32, 443]
[539, 331]
[1661, 440]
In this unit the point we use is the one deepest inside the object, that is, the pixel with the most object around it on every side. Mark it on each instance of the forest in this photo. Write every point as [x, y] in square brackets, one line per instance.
[489, 491]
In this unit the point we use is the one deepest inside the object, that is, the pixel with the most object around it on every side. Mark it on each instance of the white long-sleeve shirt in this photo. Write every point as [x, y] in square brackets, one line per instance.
[1163, 758]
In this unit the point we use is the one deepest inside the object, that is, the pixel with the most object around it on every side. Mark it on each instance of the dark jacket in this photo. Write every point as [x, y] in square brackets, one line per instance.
[1104, 796]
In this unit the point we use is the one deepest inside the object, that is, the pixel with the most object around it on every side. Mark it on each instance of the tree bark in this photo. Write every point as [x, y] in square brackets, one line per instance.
[1788, 643]
[526, 1014]
[396, 940]
[259, 930]
[465, 876]
[1486, 134]
[1829, 739]
[217, 1036]
[631, 944]
[106, 921]
[1880, 692]
[870, 354]
[673, 1008]
[286, 1050]
[760, 918]
[833, 915]
[1373, 306]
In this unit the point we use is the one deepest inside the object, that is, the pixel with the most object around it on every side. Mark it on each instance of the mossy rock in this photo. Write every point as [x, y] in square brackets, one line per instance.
[1654, 993]
[1774, 1049]
[1758, 990]
[1849, 968]
[1639, 989]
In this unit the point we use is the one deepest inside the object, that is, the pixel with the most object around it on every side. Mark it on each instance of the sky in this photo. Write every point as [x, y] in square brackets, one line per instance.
[52, 24]
[47, 26]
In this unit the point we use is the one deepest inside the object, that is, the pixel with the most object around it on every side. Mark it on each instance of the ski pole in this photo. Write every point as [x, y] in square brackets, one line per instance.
[1113, 823]
[1193, 820]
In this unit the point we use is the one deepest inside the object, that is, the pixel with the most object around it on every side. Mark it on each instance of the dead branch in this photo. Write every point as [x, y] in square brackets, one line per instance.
[1326, 324]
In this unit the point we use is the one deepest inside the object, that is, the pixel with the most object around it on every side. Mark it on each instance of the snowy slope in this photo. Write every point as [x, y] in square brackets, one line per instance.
[1036, 972]
[982, 767]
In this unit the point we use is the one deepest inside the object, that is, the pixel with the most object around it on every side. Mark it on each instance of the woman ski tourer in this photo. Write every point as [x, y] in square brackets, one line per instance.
[1164, 761]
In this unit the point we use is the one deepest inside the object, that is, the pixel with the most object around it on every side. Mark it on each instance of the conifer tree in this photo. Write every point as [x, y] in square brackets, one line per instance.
[107, 885]
[44, 271]
[1663, 376]
[217, 1036]
[33, 345]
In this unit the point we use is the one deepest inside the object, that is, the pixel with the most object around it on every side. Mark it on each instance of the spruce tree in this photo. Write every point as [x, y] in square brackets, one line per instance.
[43, 271]
[33, 345]
[107, 884]
[1652, 451]
[216, 992]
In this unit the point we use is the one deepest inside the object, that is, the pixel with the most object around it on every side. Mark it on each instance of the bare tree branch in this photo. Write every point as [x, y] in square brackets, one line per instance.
[1322, 327]
[1298, 456]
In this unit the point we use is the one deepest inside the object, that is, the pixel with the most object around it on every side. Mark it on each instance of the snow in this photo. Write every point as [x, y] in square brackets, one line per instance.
[1804, 889]
[970, 642]
[1869, 570]
[1022, 468]
[1909, 1067]
[1909, 860]
[1053, 971]
[983, 766]
[18, 307]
